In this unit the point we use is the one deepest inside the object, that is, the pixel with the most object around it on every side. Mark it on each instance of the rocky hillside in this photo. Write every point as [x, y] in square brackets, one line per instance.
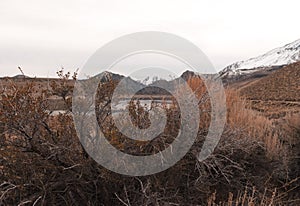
[281, 85]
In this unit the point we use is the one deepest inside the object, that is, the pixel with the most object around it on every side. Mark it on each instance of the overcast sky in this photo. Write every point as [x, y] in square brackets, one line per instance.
[43, 36]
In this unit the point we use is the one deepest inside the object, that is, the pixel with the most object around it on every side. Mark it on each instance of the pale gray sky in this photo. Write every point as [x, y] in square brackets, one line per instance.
[42, 36]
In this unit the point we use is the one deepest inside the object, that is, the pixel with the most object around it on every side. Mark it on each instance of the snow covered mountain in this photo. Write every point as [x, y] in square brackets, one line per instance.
[287, 54]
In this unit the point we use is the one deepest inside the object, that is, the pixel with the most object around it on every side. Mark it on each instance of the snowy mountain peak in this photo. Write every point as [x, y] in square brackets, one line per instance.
[287, 54]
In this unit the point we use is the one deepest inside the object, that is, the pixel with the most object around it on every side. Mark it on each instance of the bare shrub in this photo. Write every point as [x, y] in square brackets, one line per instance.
[43, 163]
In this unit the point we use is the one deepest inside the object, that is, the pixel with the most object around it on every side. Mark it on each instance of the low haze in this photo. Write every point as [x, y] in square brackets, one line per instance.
[43, 36]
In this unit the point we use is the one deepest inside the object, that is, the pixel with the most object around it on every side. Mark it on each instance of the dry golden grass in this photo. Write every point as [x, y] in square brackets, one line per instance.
[255, 124]
[241, 117]
[245, 198]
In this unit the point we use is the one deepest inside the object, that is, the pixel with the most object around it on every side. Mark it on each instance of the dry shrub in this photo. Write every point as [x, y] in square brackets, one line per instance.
[198, 87]
[289, 127]
[48, 166]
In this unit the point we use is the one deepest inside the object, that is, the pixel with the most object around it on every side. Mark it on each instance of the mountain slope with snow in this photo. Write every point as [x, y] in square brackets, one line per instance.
[287, 54]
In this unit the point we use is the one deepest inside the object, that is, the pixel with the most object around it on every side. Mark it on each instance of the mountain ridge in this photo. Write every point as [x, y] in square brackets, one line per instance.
[278, 57]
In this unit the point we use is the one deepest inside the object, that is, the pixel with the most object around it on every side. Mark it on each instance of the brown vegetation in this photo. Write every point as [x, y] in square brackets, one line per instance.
[281, 85]
[277, 94]
[43, 163]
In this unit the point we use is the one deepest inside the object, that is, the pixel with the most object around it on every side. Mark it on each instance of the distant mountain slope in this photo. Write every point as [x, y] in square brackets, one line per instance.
[20, 76]
[281, 85]
[285, 55]
[150, 89]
